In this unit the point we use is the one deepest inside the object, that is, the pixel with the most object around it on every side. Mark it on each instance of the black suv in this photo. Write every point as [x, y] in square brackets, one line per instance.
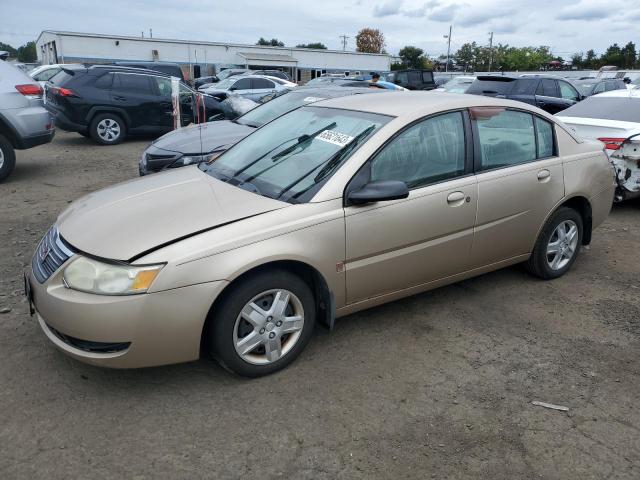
[549, 93]
[107, 103]
[413, 79]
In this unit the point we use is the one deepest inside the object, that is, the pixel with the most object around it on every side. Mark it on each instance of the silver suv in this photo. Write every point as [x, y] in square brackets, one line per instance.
[24, 122]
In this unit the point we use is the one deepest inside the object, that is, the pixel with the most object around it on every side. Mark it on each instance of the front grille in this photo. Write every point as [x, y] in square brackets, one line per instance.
[51, 253]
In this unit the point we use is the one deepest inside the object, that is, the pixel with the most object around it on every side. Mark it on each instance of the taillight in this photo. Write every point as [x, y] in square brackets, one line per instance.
[612, 143]
[64, 92]
[30, 89]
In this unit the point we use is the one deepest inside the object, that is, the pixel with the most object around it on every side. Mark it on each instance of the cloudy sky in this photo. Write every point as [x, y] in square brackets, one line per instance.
[567, 26]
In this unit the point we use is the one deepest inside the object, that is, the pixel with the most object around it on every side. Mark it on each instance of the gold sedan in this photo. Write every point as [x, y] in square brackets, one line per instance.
[327, 210]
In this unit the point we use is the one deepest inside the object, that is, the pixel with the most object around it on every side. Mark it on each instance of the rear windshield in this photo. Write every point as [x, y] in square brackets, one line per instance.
[499, 87]
[60, 78]
[623, 109]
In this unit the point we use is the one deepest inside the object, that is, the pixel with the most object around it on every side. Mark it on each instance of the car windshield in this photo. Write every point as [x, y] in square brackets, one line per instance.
[499, 87]
[225, 74]
[291, 157]
[458, 85]
[277, 107]
[625, 109]
[224, 84]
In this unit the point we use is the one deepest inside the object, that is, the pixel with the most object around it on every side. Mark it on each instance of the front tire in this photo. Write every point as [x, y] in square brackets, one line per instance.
[108, 129]
[7, 158]
[262, 324]
[558, 245]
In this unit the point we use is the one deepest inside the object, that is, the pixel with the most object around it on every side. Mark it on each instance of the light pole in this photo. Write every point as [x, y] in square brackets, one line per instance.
[490, 50]
[448, 37]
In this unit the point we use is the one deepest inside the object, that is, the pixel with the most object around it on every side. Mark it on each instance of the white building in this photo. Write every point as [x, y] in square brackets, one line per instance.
[204, 58]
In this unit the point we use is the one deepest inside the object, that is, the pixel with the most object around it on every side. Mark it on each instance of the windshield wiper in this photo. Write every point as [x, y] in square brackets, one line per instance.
[329, 164]
[301, 140]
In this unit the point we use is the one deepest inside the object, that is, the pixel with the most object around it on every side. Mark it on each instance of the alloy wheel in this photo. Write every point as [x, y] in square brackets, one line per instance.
[268, 327]
[562, 245]
[108, 129]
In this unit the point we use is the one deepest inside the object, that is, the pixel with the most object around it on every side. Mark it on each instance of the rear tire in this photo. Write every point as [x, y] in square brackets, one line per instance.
[270, 340]
[7, 158]
[558, 245]
[108, 129]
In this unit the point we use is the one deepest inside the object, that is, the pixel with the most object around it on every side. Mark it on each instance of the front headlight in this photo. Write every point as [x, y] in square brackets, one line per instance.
[89, 275]
[195, 159]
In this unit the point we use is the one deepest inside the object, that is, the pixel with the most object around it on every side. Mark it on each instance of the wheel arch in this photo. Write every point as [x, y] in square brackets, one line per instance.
[98, 110]
[324, 298]
[9, 132]
[580, 204]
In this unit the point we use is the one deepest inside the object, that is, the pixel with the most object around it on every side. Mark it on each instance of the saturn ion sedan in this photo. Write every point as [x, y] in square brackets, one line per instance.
[331, 208]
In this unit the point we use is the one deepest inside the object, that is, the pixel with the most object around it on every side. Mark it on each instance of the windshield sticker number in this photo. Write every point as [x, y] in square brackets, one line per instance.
[336, 138]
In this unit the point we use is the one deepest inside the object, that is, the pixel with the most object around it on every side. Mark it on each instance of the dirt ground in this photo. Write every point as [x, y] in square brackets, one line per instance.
[439, 385]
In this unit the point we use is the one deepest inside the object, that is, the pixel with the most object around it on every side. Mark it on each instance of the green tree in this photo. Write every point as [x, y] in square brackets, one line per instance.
[317, 46]
[612, 56]
[577, 60]
[274, 42]
[8, 48]
[370, 40]
[465, 55]
[591, 60]
[412, 57]
[630, 56]
[27, 53]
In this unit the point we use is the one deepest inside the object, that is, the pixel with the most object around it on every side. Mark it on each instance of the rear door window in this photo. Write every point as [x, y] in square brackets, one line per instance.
[547, 88]
[261, 83]
[133, 83]
[242, 84]
[506, 137]
[414, 77]
[105, 81]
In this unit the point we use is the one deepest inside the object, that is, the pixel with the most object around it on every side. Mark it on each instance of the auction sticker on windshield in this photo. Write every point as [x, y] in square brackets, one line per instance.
[313, 99]
[337, 138]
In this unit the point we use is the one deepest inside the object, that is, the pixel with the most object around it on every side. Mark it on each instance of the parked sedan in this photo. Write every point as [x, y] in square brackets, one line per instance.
[205, 142]
[614, 119]
[253, 87]
[331, 208]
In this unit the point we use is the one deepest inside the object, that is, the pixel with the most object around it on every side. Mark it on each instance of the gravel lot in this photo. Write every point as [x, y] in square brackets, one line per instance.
[439, 385]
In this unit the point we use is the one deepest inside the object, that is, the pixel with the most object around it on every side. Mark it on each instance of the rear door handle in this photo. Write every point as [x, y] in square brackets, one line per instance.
[456, 198]
[544, 175]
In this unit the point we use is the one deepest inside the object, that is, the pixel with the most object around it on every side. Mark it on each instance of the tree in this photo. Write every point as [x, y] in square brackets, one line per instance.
[577, 61]
[465, 55]
[8, 48]
[27, 53]
[370, 40]
[274, 42]
[612, 56]
[591, 60]
[317, 46]
[411, 56]
[629, 55]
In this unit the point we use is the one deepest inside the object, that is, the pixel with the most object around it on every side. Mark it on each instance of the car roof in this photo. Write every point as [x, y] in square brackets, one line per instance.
[418, 104]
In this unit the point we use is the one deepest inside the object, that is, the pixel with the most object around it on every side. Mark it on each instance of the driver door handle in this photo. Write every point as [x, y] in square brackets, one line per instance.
[456, 198]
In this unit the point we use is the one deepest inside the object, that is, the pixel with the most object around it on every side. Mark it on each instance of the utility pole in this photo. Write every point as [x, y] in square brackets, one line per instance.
[344, 41]
[446, 68]
[490, 50]
[150, 33]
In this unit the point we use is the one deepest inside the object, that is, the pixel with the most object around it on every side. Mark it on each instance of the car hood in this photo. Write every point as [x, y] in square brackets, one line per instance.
[203, 138]
[123, 221]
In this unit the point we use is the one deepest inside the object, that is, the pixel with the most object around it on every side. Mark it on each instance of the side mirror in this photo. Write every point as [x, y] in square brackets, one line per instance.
[380, 191]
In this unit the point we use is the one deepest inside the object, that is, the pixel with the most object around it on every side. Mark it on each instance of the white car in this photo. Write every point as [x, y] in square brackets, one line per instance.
[253, 87]
[614, 119]
[458, 84]
[44, 73]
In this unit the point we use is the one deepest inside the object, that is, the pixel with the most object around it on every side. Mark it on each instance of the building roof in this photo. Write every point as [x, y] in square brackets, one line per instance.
[268, 57]
[200, 42]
